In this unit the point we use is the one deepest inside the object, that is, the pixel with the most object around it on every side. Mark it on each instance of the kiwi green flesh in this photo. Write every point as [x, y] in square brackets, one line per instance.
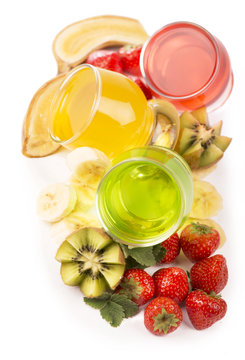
[187, 139]
[217, 128]
[192, 155]
[71, 274]
[187, 121]
[201, 115]
[97, 238]
[91, 259]
[66, 252]
[93, 287]
[211, 155]
[78, 239]
[113, 255]
[222, 142]
[113, 274]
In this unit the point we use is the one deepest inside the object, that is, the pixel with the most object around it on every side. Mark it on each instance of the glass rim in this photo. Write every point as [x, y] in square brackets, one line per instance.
[207, 84]
[94, 106]
[131, 241]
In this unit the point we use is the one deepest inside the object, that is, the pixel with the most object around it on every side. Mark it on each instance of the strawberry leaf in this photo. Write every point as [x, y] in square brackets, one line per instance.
[113, 307]
[133, 264]
[113, 313]
[98, 302]
[140, 258]
[129, 307]
[143, 255]
[159, 252]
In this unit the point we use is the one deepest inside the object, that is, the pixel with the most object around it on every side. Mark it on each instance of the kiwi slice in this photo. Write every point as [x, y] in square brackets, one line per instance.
[193, 153]
[200, 144]
[201, 115]
[92, 260]
[211, 155]
[222, 142]
[187, 120]
[217, 128]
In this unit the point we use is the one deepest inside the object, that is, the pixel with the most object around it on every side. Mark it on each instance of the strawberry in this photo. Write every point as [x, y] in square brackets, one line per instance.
[130, 57]
[209, 274]
[162, 316]
[137, 285]
[171, 282]
[203, 309]
[142, 84]
[172, 247]
[106, 59]
[199, 241]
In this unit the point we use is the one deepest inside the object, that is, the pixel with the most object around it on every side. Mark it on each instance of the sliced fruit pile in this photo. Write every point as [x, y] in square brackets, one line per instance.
[170, 288]
[67, 206]
[72, 46]
[74, 43]
[90, 259]
[200, 144]
[110, 275]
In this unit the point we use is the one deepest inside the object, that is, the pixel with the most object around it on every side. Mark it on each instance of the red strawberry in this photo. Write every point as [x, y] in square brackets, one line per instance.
[106, 59]
[204, 310]
[162, 316]
[172, 247]
[210, 274]
[141, 83]
[137, 285]
[171, 282]
[199, 241]
[130, 57]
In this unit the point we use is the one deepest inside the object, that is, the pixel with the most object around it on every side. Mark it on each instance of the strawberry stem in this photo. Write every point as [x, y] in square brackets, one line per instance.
[201, 229]
[164, 321]
[130, 288]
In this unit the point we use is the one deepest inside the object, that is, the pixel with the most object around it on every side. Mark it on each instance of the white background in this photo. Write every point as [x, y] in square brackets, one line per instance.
[40, 317]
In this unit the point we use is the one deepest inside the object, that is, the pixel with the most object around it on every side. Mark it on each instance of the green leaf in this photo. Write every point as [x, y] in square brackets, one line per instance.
[133, 264]
[143, 255]
[113, 313]
[98, 302]
[124, 249]
[129, 307]
[113, 307]
[159, 252]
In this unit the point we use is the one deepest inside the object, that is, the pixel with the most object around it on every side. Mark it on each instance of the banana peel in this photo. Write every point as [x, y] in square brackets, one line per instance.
[167, 123]
[74, 43]
[36, 141]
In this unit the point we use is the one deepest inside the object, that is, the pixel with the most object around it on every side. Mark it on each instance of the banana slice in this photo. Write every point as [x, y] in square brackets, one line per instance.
[88, 165]
[73, 44]
[36, 140]
[55, 202]
[208, 222]
[85, 195]
[207, 201]
[76, 220]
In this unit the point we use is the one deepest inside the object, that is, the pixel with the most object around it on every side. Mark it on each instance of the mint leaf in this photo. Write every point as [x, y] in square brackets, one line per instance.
[113, 313]
[159, 252]
[98, 302]
[129, 307]
[143, 255]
